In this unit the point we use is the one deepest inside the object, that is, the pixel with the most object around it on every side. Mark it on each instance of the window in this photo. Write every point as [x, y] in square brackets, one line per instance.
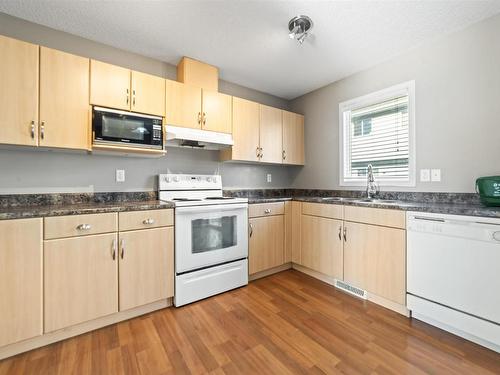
[379, 129]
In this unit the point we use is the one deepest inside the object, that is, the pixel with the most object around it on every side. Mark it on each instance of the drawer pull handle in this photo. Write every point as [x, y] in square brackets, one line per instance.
[340, 233]
[251, 229]
[148, 221]
[345, 234]
[84, 227]
[113, 250]
[33, 129]
[122, 246]
[267, 211]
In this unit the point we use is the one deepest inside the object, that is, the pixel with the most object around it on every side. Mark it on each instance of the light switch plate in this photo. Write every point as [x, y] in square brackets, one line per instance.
[425, 175]
[269, 177]
[120, 175]
[435, 175]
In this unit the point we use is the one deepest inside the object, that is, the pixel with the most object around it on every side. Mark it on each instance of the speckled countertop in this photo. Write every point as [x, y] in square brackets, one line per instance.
[80, 208]
[463, 208]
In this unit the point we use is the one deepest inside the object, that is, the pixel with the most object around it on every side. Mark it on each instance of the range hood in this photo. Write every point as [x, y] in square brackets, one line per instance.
[196, 138]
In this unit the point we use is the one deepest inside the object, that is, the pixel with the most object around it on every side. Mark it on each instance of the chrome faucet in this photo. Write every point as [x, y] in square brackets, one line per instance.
[372, 188]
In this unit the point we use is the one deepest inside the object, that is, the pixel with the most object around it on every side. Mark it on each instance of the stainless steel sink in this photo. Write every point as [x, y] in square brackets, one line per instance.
[375, 200]
[339, 199]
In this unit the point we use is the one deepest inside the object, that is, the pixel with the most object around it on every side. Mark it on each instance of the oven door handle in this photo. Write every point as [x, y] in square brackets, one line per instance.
[210, 208]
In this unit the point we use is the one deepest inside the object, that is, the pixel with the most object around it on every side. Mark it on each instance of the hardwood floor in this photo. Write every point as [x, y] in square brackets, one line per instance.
[288, 323]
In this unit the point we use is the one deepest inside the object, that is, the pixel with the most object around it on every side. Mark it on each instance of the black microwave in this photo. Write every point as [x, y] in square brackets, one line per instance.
[115, 127]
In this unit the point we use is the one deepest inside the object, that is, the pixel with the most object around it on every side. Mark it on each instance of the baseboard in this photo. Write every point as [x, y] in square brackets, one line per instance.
[384, 302]
[269, 272]
[65, 333]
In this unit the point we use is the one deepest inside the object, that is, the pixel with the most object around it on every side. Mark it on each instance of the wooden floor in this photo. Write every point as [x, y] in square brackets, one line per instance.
[286, 323]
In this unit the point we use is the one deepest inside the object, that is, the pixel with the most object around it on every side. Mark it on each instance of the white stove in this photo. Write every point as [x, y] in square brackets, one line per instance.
[211, 236]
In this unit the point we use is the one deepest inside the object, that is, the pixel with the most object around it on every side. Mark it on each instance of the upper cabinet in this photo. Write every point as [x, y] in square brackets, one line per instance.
[64, 106]
[109, 85]
[293, 138]
[192, 107]
[117, 87]
[18, 92]
[265, 134]
[148, 94]
[197, 73]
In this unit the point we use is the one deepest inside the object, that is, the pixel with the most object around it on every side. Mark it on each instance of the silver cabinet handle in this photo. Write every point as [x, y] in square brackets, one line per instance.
[267, 211]
[199, 117]
[122, 248]
[340, 233]
[113, 250]
[204, 118]
[251, 229]
[148, 221]
[258, 151]
[33, 129]
[127, 97]
[133, 97]
[284, 155]
[84, 227]
[345, 234]
[42, 130]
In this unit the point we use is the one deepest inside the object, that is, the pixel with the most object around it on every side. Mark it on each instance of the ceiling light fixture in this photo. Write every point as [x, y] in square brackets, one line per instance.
[299, 28]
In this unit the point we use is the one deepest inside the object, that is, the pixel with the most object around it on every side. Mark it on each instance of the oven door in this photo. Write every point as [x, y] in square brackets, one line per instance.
[121, 127]
[210, 235]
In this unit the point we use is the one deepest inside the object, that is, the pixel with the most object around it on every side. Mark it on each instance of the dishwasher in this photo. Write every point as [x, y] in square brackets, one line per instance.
[453, 274]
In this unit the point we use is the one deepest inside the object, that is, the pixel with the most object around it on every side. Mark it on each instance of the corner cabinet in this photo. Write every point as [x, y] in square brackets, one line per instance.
[265, 134]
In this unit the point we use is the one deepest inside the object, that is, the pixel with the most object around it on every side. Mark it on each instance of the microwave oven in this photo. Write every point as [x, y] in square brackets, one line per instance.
[115, 127]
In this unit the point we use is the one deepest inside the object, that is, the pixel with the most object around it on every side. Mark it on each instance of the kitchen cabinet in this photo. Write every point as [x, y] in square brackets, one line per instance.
[295, 237]
[64, 100]
[266, 241]
[270, 134]
[20, 280]
[18, 92]
[192, 107]
[198, 74]
[146, 266]
[182, 105]
[148, 94]
[375, 260]
[321, 245]
[81, 279]
[246, 117]
[293, 138]
[120, 88]
[217, 112]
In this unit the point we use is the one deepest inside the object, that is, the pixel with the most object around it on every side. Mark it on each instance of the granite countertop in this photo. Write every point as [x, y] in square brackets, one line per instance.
[467, 209]
[32, 211]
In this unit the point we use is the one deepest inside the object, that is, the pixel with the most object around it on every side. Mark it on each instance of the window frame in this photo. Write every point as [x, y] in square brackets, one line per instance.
[405, 88]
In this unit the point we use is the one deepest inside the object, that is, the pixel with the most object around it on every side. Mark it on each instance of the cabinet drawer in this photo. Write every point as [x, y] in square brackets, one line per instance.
[332, 211]
[266, 209]
[79, 225]
[376, 216]
[146, 219]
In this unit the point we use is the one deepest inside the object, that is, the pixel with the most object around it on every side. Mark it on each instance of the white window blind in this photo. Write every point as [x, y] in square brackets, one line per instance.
[377, 131]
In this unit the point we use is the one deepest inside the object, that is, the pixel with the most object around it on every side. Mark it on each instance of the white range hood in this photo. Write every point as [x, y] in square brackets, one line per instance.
[196, 138]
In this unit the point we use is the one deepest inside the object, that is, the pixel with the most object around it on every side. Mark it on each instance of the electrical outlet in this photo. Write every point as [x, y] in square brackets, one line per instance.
[120, 175]
[425, 175]
[435, 175]
[269, 177]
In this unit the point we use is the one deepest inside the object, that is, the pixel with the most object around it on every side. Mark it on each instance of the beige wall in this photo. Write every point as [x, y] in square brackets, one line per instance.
[457, 80]
[25, 171]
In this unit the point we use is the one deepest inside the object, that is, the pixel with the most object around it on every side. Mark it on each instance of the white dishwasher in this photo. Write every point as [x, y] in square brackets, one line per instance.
[453, 274]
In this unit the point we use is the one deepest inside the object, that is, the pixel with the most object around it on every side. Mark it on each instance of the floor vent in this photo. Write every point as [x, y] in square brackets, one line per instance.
[351, 289]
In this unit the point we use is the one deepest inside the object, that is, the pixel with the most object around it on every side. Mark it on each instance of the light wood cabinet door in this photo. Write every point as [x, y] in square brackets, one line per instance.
[217, 112]
[245, 130]
[271, 134]
[81, 279]
[109, 85]
[296, 231]
[321, 248]
[18, 92]
[20, 280]
[293, 138]
[182, 105]
[64, 100]
[148, 94]
[375, 260]
[146, 266]
[265, 248]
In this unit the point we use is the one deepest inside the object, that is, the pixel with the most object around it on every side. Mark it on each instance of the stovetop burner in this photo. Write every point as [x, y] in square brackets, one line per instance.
[218, 198]
[187, 199]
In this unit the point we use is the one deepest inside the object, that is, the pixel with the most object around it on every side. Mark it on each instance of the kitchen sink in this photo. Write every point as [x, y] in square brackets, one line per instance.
[375, 200]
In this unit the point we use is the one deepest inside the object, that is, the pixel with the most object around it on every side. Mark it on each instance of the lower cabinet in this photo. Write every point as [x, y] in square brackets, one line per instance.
[146, 266]
[375, 260]
[266, 243]
[321, 245]
[20, 280]
[81, 279]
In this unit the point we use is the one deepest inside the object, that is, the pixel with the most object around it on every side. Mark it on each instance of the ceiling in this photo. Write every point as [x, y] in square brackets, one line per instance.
[248, 40]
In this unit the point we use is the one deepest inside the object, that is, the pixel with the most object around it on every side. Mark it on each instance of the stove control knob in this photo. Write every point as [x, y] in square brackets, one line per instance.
[209, 179]
[176, 179]
[168, 179]
[198, 178]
